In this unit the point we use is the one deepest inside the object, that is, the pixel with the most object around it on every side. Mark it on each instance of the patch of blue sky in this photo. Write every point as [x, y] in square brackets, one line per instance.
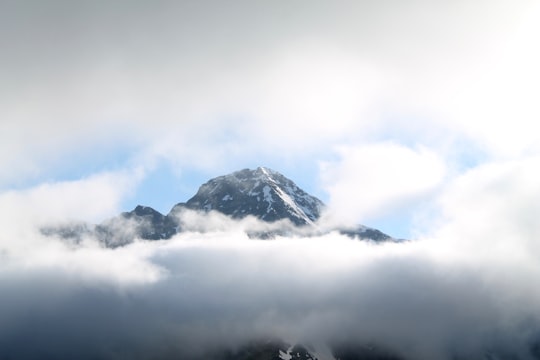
[164, 186]
[397, 226]
[75, 164]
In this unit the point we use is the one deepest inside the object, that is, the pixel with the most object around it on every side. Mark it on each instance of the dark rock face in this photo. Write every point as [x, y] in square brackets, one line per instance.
[263, 193]
[151, 224]
[299, 352]
[143, 222]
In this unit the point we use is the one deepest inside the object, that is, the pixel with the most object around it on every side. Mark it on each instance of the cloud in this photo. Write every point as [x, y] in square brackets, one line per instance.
[214, 221]
[159, 80]
[481, 90]
[204, 290]
[370, 180]
[211, 85]
[310, 94]
[495, 204]
[24, 212]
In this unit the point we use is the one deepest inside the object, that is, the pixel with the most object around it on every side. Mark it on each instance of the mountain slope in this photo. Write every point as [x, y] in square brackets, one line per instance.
[263, 193]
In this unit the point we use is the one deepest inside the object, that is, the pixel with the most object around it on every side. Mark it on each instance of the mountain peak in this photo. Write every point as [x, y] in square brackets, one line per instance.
[263, 193]
[264, 171]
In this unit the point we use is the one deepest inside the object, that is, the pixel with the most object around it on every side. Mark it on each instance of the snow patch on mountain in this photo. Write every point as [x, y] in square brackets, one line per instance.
[285, 355]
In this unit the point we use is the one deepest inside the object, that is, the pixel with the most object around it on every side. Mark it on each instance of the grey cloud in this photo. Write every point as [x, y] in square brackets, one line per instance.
[222, 289]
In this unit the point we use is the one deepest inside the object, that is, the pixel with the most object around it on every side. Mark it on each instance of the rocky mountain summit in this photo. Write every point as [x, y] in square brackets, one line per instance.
[261, 193]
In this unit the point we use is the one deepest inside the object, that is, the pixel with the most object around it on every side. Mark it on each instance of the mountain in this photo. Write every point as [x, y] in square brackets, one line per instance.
[261, 193]
[142, 222]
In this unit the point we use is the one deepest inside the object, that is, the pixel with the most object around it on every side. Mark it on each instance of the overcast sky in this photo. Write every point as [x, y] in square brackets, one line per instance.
[414, 117]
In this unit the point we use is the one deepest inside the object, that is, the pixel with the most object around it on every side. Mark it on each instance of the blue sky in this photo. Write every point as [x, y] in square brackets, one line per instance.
[378, 110]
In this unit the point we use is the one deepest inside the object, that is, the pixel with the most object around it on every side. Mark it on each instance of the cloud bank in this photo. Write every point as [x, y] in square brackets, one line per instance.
[463, 291]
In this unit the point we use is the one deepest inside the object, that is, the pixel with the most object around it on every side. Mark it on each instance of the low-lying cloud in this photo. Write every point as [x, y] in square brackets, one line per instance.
[463, 290]
[215, 286]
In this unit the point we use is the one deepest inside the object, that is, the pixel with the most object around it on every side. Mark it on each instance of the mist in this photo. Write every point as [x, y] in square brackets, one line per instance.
[213, 287]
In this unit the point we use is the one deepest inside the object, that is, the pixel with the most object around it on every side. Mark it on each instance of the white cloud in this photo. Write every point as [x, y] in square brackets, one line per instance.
[311, 94]
[483, 90]
[372, 180]
[93, 199]
[222, 288]
[492, 208]
[321, 76]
